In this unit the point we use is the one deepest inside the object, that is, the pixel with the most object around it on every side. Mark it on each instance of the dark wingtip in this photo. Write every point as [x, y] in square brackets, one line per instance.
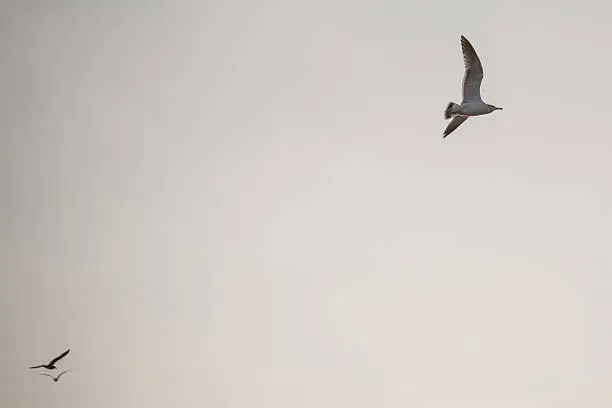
[465, 41]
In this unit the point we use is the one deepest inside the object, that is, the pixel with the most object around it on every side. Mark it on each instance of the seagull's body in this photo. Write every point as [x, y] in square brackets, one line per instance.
[55, 379]
[51, 364]
[472, 104]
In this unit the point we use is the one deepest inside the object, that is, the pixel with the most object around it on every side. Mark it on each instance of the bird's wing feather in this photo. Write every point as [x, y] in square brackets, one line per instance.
[473, 72]
[62, 373]
[56, 359]
[454, 124]
[38, 366]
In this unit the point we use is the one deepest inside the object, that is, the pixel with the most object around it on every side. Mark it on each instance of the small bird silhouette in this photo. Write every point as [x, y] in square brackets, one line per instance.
[51, 365]
[55, 379]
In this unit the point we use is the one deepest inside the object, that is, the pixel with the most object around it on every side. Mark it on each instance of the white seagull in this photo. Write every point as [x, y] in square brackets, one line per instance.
[472, 104]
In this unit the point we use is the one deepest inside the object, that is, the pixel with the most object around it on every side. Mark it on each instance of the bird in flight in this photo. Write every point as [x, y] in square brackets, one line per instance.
[55, 379]
[472, 104]
[51, 364]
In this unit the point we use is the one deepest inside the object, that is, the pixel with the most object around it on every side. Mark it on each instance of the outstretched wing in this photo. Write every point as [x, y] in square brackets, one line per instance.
[56, 359]
[60, 374]
[473, 72]
[454, 124]
[38, 366]
[48, 375]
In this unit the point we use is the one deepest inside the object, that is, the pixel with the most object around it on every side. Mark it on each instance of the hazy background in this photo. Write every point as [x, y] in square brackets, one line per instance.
[249, 204]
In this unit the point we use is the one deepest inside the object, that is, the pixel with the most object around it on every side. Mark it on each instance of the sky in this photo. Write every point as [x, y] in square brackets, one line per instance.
[234, 204]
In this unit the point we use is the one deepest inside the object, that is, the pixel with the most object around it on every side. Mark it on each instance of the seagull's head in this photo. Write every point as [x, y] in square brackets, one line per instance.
[494, 108]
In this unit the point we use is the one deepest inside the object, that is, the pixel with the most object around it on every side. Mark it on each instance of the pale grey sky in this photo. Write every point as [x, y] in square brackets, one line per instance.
[248, 204]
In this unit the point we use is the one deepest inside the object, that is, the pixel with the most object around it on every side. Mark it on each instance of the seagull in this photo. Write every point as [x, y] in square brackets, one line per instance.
[51, 365]
[56, 379]
[472, 104]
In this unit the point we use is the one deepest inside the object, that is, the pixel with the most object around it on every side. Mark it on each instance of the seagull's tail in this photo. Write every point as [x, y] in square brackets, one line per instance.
[450, 109]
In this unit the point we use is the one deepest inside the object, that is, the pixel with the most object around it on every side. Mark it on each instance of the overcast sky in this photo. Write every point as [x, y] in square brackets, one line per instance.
[249, 204]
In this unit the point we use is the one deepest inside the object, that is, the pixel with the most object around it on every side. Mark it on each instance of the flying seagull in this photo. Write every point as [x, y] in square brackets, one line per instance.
[472, 104]
[51, 365]
[56, 379]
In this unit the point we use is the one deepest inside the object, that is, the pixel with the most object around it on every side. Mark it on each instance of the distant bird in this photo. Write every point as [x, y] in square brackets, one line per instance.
[472, 104]
[56, 379]
[51, 365]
